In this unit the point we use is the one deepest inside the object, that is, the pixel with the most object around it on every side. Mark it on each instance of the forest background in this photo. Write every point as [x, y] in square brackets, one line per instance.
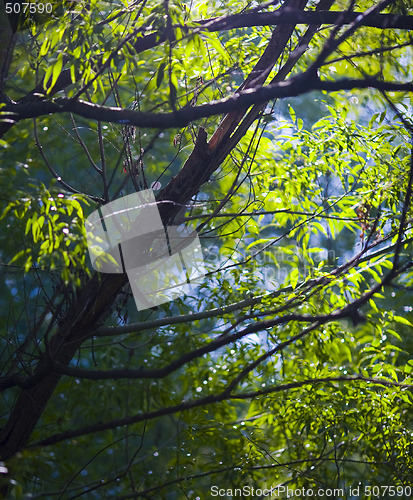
[281, 132]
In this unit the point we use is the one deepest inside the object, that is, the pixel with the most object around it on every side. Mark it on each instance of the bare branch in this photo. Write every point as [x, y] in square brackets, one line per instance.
[291, 88]
[295, 16]
[206, 401]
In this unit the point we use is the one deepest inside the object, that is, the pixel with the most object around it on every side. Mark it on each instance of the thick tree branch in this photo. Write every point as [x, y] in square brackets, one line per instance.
[208, 400]
[296, 16]
[291, 88]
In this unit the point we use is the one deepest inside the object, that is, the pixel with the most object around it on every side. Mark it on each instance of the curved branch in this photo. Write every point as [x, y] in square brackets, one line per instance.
[208, 400]
[295, 16]
[298, 85]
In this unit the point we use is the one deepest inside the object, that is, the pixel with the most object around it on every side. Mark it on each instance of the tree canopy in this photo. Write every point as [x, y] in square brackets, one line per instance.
[282, 133]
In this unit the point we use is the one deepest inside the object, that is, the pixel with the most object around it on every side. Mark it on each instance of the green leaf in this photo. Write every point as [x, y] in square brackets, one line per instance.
[44, 47]
[402, 320]
[293, 277]
[292, 113]
[160, 74]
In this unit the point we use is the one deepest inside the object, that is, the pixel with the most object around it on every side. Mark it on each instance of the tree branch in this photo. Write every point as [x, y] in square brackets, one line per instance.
[295, 16]
[291, 88]
[206, 401]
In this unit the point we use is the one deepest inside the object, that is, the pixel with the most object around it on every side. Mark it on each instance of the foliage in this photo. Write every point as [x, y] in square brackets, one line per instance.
[54, 232]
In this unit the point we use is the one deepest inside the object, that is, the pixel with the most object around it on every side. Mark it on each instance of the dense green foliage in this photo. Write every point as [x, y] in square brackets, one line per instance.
[306, 227]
